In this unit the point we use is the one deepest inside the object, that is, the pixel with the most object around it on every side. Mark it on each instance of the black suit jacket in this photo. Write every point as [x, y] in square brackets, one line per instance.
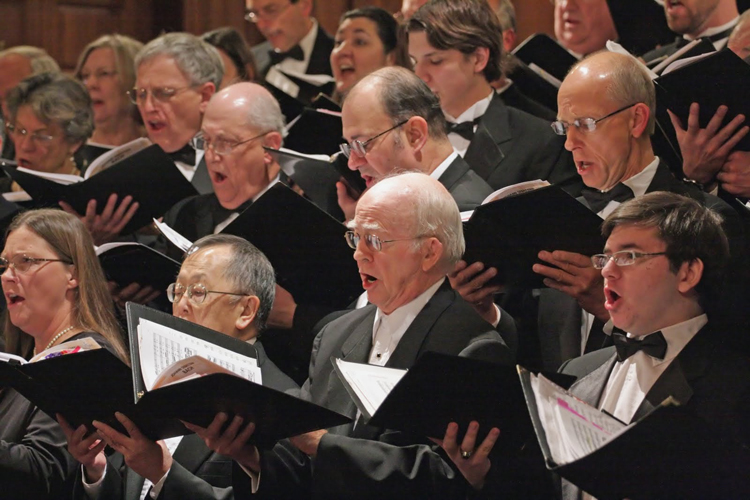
[380, 464]
[197, 472]
[709, 381]
[559, 315]
[515, 98]
[466, 187]
[511, 146]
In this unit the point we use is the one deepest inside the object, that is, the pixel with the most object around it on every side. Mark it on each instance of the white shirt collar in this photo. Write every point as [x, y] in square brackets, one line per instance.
[640, 182]
[393, 326]
[716, 29]
[440, 170]
[677, 336]
[476, 110]
[308, 41]
[506, 86]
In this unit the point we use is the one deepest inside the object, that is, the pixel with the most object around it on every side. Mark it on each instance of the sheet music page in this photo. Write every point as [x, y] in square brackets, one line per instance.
[574, 429]
[176, 238]
[161, 346]
[116, 155]
[371, 383]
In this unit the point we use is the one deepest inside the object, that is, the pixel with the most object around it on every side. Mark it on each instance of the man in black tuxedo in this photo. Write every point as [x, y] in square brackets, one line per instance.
[295, 43]
[606, 111]
[407, 234]
[387, 133]
[712, 19]
[241, 285]
[663, 266]
[456, 50]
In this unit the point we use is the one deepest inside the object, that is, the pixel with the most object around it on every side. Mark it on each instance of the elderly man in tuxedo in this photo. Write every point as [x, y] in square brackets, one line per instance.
[386, 132]
[606, 112]
[225, 284]
[406, 234]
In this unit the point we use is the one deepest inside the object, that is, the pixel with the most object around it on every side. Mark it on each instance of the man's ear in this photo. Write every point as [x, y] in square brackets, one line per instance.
[481, 57]
[206, 91]
[417, 132]
[271, 140]
[250, 305]
[432, 250]
[641, 114]
[689, 275]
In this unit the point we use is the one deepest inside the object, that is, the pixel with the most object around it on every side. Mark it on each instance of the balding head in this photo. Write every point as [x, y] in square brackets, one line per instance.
[615, 91]
[408, 235]
[239, 121]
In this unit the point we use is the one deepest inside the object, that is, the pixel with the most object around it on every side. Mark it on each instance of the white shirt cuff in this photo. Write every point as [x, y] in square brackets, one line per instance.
[498, 313]
[157, 486]
[254, 479]
[92, 490]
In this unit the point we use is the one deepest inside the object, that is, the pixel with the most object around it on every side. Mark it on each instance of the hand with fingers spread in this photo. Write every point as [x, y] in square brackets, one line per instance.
[705, 150]
[471, 283]
[88, 451]
[147, 458]
[106, 226]
[735, 174]
[231, 442]
[472, 461]
[574, 275]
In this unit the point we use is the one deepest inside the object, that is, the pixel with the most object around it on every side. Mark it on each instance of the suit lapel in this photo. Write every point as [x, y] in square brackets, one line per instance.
[410, 345]
[133, 485]
[453, 173]
[485, 151]
[201, 180]
[589, 388]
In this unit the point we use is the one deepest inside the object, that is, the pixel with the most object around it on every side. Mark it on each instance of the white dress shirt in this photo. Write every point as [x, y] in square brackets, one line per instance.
[388, 329]
[476, 110]
[275, 76]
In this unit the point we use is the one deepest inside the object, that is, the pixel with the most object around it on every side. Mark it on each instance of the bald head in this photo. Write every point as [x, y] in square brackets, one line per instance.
[248, 104]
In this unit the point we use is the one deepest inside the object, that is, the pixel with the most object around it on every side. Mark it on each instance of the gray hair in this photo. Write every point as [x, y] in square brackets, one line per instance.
[264, 113]
[40, 60]
[506, 14]
[55, 98]
[249, 271]
[403, 95]
[199, 61]
[433, 212]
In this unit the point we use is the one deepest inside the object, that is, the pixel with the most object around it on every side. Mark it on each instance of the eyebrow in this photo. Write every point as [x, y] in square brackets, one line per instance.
[626, 246]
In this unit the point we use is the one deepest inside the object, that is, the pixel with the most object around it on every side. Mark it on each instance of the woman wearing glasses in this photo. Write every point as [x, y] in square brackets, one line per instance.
[50, 118]
[107, 70]
[55, 292]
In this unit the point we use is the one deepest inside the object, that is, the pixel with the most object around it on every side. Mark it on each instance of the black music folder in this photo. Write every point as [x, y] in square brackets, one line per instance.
[131, 262]
[717, 79]
[509, 233]
[305, 245]
[315, 131]
[669, 453]
[545, 52]
[276, 414]
[149, 176]
[440, 389]
[641, 25]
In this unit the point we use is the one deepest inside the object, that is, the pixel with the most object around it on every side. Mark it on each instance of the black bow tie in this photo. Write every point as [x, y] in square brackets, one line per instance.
[597, 200]
[293, 53]
[655, 345]
[186, 155]
[464, 129]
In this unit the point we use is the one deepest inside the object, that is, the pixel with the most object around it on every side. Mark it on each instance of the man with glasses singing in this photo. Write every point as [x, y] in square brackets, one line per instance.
[176, 75]
[408, 235]
[239, 121]
[225, 284]
[295, 43]
[606, 110]
[386, 132]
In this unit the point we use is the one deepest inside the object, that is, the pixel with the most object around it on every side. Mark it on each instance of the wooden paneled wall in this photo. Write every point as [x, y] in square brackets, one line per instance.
[64, 27]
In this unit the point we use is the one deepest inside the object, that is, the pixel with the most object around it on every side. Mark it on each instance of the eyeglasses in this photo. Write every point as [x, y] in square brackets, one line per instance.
[36, 137]
[584, 124]
[99, 74]
[267, 13]
[359, 147]
[621, 258]
[23, 263]
[219, 146]
[195, 292]
[161, 94]
[372, 241]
